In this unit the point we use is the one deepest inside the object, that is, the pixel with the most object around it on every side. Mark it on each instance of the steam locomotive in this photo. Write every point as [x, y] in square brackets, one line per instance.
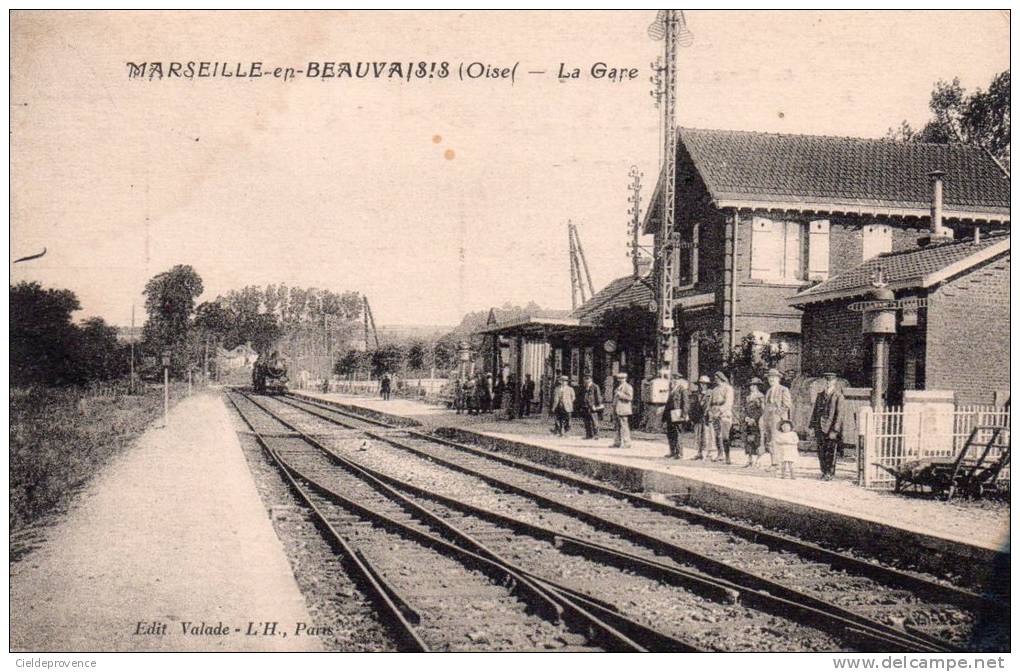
[269, 375]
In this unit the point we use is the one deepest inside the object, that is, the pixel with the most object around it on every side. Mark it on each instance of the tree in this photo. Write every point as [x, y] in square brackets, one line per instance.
[387, 359]
[42, 336]
[47, 348]
[263, 332]
[445, 353]
[98, 355]
[417, 355]
[170, 303]
[982, 118]
[753, 357]
[351, 362]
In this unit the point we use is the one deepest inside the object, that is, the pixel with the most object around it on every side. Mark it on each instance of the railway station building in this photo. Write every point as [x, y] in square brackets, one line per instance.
[954, 337]
[762, 217]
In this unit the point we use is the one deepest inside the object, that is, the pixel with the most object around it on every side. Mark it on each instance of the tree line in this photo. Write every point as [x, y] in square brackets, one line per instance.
[47, 348]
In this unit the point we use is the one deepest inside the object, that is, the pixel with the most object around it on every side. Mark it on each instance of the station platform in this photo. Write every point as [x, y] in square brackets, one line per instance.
[172, 532]
[924, 533]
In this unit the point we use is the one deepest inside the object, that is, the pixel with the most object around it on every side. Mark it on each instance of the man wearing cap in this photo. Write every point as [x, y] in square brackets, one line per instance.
[827, 420]
[563, 406]
[591, 407]
[720, 413]
[778, 406]
[675, 414]
[623, 395]
[704, 435]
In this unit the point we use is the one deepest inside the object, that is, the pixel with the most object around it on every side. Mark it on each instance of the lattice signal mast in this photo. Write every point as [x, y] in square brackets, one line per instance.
[670, 25]
[578, 264]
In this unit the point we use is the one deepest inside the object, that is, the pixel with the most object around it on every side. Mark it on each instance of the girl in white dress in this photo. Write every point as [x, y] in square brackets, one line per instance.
[785, 443]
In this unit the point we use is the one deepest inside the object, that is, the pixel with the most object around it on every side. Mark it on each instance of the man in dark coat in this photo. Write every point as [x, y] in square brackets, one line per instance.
[675, 414]
[511, 391]
[486, 393]
[827, 420]
[527, 394]
[591, 407]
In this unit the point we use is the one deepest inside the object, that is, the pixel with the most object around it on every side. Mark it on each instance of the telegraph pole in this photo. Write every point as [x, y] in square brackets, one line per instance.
[671, 26]
[131, 383]
[634, 225]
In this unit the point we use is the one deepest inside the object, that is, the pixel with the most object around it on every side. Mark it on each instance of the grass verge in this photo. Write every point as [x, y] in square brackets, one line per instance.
[61, 437]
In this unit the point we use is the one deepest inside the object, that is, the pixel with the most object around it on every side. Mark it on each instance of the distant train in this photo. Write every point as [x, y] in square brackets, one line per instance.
[269, 375]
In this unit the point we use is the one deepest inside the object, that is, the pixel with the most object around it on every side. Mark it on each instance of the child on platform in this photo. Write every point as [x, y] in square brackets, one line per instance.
[785, 444]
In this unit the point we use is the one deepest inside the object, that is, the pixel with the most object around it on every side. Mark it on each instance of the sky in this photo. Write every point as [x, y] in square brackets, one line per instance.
[431, 197]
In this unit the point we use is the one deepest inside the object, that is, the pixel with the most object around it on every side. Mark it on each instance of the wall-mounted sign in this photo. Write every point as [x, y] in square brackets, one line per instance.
[609, 345]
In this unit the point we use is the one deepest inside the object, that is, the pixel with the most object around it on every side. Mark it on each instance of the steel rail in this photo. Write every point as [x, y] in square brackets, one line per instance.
[747, 583]
[984, 605]
[364, 573]
[556, 604]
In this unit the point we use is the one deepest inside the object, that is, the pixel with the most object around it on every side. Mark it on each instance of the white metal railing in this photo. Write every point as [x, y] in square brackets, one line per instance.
[893, 437]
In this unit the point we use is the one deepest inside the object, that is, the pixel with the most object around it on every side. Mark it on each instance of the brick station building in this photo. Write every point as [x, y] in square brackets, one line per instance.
[763, 216]
[957, 338]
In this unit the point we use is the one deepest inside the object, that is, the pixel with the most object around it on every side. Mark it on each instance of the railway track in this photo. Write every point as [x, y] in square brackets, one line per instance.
[435, 595]
[912, 611]
[691, 612]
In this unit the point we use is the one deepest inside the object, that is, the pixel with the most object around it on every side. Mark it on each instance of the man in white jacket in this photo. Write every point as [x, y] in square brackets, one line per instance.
[622, 410]
[562, 406]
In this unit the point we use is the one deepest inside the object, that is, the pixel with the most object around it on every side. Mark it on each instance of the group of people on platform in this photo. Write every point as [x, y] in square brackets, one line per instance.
[706, 409]
[485, 393]
[592, 408]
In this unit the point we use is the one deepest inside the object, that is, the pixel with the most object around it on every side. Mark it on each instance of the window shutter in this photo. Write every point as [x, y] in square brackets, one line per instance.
[818, 250]
[766, 248]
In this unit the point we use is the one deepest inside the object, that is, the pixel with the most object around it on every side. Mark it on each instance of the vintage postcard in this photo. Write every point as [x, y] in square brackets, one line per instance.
[675, 331]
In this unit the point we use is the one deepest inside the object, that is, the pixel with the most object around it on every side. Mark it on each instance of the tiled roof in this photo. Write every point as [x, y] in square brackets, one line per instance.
[847, 174]
[501, 315]
[906, 269]
[620, 293]
[770, 166]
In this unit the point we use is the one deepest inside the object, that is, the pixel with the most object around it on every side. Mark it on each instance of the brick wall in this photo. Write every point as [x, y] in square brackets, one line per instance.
[968, 334]
[832, 341]
[763, 306]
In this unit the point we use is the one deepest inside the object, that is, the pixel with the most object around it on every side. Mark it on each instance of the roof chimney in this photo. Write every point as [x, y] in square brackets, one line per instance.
[939, 233]
[642, 265]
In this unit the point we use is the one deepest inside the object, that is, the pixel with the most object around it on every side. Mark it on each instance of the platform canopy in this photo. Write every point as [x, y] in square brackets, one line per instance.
[535, 327]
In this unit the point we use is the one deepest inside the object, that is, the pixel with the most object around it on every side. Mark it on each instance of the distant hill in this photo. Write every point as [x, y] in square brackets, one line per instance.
[405, 332]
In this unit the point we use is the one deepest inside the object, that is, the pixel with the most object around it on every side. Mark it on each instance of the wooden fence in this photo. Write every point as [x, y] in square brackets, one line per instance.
[426, 389]
[893, 437]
